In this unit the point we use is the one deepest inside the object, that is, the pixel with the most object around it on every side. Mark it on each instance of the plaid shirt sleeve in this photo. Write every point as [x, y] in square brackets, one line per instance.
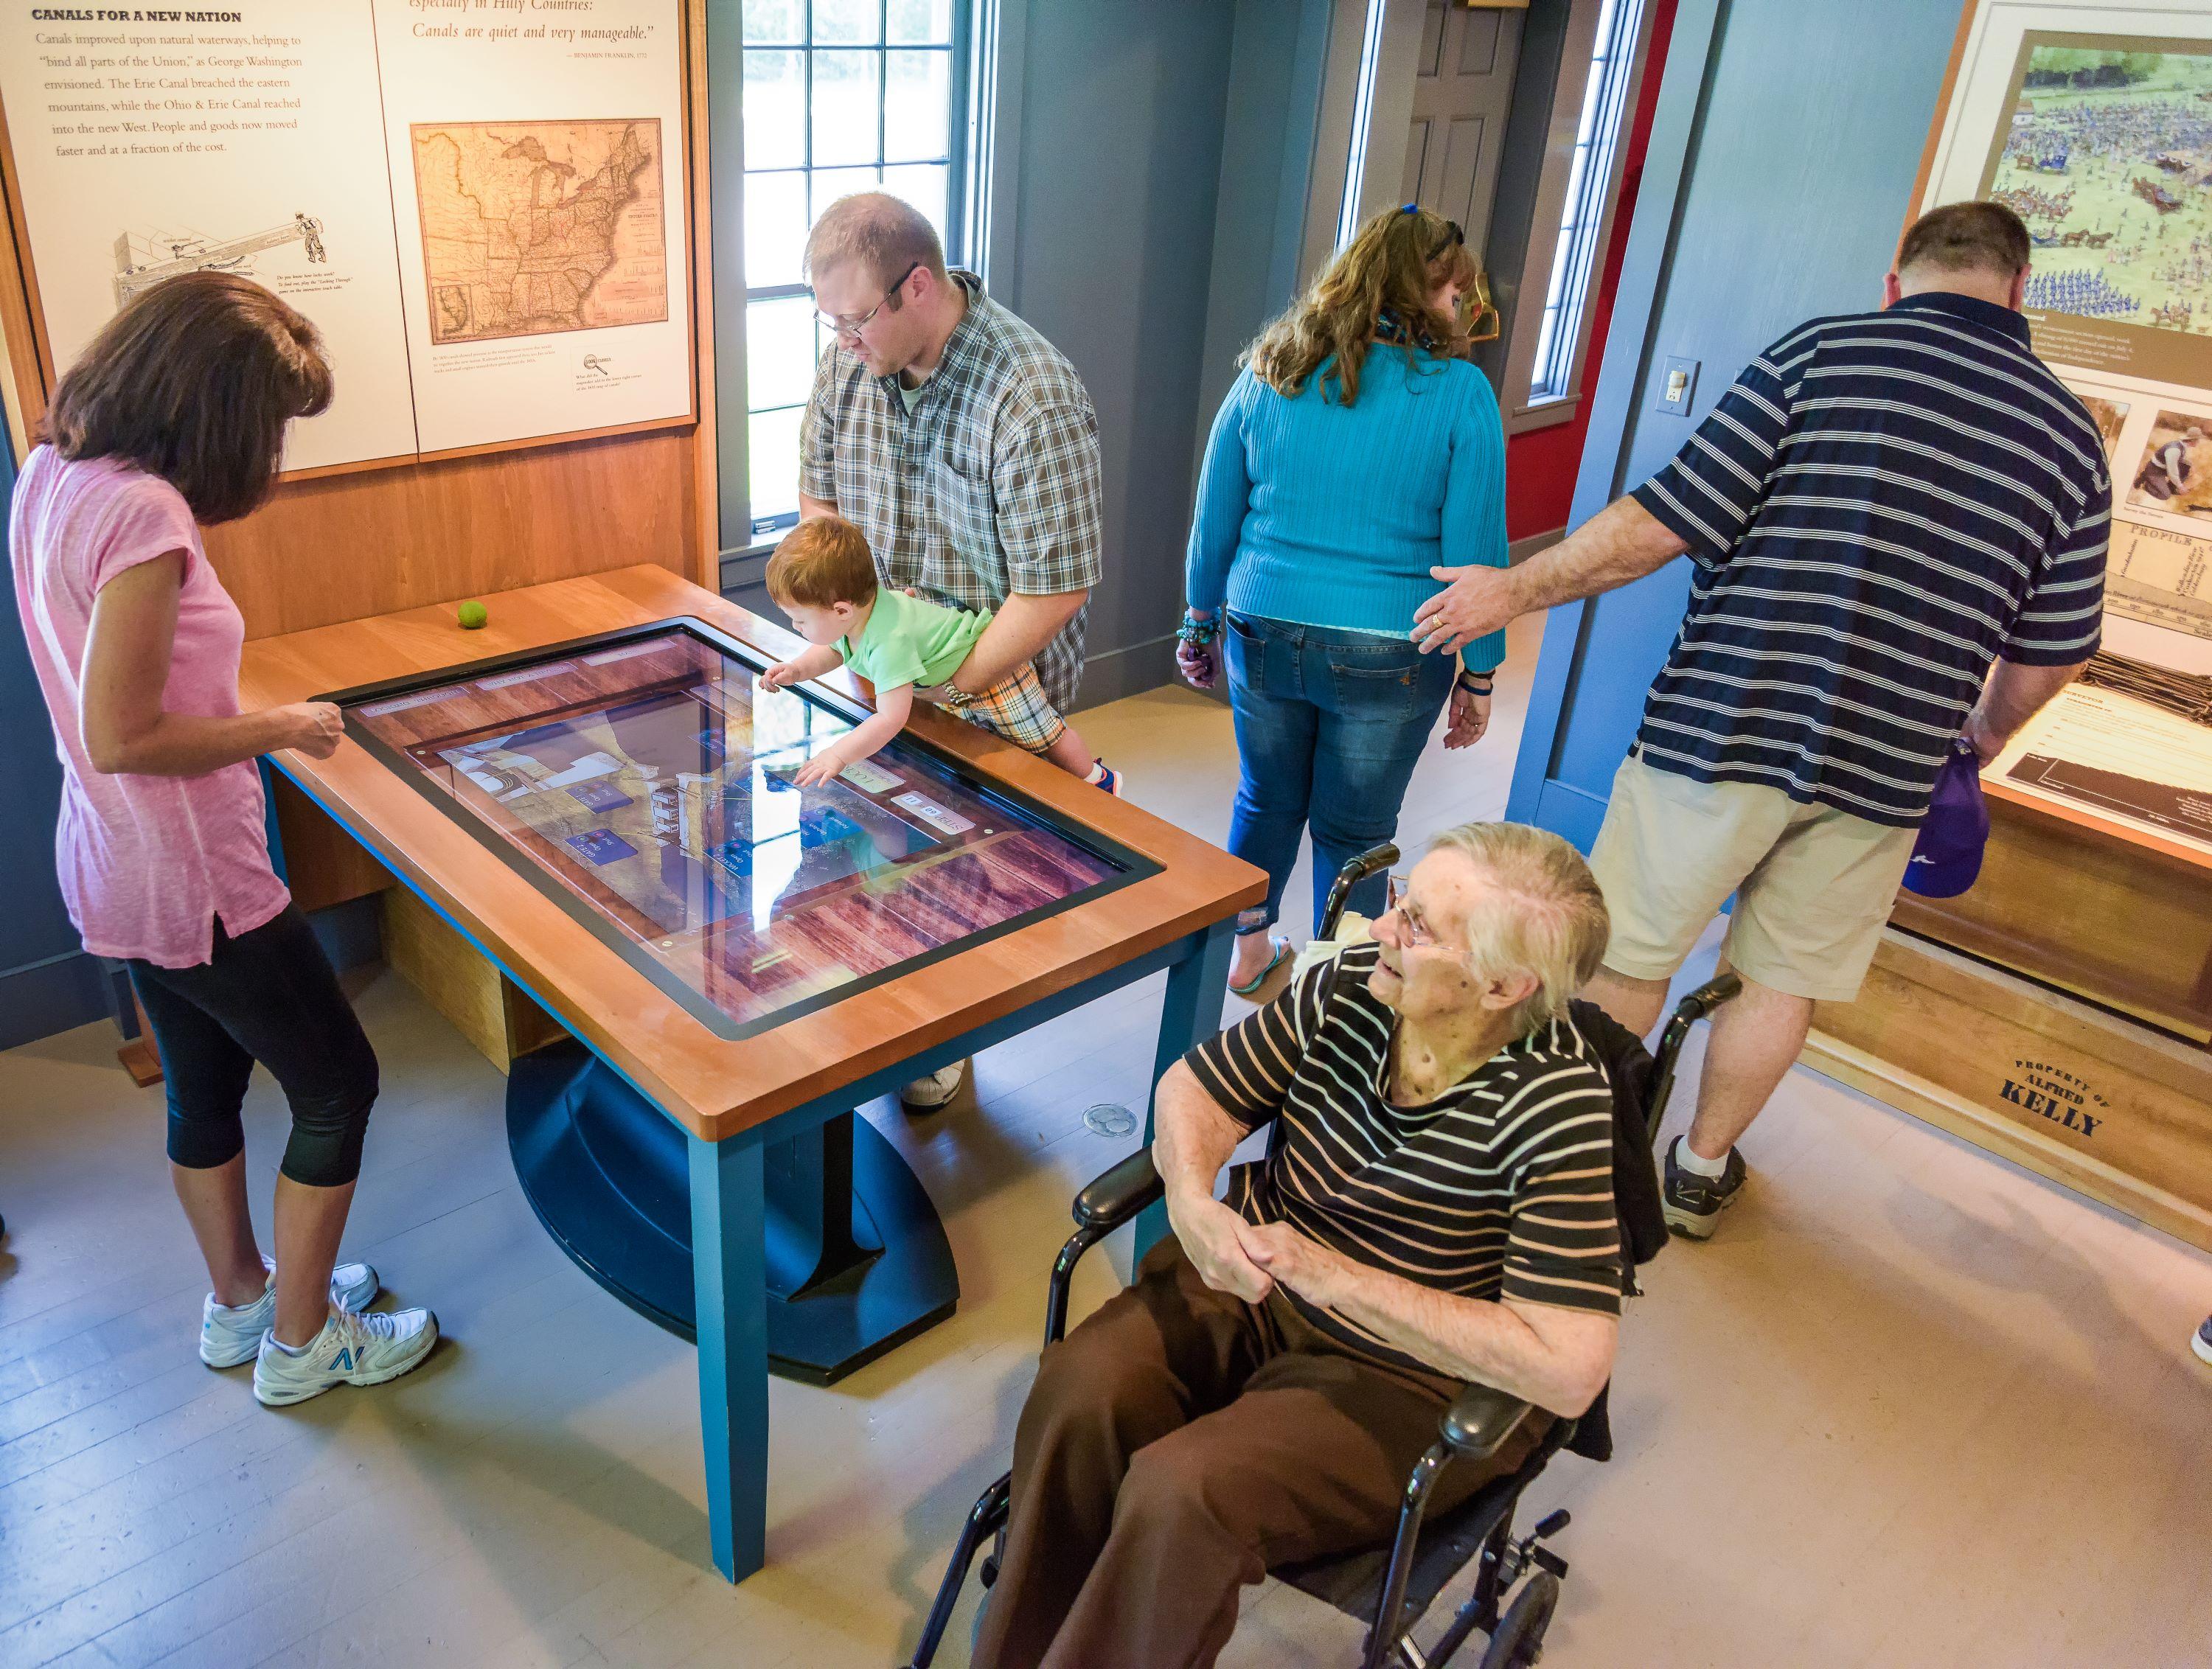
[1045, 480]
[818, 434]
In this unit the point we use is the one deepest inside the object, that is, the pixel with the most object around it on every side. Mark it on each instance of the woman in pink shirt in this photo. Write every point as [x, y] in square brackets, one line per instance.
[174, 417]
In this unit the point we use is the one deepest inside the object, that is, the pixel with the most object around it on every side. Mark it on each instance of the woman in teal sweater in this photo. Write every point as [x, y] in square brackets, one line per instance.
[1357, 451]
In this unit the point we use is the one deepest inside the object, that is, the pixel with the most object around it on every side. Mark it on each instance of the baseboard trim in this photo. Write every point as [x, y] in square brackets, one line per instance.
[50, 996]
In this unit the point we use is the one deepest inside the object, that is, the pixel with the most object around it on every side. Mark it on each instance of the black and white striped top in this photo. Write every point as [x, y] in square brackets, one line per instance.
[1880, 507]
[1503, 1185]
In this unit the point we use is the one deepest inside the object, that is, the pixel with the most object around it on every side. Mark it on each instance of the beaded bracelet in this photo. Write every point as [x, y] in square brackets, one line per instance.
[1197, 632]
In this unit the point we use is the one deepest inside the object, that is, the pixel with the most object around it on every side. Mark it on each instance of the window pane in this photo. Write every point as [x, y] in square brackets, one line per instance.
[776, 110]
[917, 106]
[830, 183]
[924, 187]
[776, 22]
[772, 471]
[918, 22]
[778, 352]
[845, 22]
[776, 228]
[846, 103]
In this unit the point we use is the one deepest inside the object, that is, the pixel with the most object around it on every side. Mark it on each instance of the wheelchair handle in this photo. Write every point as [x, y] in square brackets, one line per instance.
[1366, 864]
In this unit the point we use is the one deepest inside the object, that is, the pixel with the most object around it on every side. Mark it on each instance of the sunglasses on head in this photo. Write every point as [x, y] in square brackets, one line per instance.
[1453, 236]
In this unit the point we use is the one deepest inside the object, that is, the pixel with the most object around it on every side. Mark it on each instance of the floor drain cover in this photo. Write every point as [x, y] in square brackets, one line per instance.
[1108, 1118]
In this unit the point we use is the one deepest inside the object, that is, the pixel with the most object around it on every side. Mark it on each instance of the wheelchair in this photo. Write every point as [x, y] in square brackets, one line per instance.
[1393, 1585]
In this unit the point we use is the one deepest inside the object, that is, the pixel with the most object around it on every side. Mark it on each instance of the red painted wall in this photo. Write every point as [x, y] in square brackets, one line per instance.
[1540, 464]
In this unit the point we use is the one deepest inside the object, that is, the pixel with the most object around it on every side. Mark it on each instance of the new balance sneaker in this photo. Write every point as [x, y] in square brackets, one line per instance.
[1693, 1203]
[230, 1335]
[363, 1349]
[2202, 1341]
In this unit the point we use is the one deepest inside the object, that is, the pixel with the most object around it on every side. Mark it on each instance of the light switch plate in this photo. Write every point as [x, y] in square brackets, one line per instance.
[1678, 385]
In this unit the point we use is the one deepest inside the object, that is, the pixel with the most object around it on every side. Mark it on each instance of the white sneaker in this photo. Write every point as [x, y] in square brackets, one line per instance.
[926, 1094]
[231, 1334]
[352, 1348]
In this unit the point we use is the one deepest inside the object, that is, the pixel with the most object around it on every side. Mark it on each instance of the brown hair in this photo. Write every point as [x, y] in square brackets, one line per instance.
[823, 561]
[1377, 289]
[1967, 237]
[194, 381]
[886, 234]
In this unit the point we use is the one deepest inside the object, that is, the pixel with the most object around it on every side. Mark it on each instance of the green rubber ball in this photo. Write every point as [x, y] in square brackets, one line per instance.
[473, 615]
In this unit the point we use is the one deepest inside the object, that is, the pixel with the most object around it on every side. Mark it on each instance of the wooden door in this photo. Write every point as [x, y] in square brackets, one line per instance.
[1462, 91]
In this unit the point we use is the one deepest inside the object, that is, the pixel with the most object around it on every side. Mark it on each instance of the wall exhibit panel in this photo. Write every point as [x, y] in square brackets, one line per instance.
[141, 149]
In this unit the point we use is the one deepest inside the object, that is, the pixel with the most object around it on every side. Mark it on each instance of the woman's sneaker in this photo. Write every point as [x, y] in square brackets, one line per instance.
[352, 1350]
[1693, 1204]
[230, 1335]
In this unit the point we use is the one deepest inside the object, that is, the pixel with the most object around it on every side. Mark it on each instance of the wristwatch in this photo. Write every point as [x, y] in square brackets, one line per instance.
[957, 699]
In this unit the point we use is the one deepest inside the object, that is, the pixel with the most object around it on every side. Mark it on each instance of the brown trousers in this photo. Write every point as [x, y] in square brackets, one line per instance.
[1177, 1444]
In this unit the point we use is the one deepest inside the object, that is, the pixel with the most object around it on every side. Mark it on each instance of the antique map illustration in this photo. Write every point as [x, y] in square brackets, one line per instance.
[530, 227]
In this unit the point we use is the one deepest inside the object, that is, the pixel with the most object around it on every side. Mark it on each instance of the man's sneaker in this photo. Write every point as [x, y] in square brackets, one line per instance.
[1693, 1203]
[928, 1092]
[230, 1336]
[2201, 1342]
[352, 1348]
[1108, 778]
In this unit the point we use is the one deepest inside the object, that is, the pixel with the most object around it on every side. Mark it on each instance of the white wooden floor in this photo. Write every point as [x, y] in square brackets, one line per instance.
[1913, 1406]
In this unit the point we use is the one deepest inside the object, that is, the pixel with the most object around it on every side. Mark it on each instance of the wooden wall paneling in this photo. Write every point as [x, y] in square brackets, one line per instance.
[706, 493]
[348, 546]
[20, 335]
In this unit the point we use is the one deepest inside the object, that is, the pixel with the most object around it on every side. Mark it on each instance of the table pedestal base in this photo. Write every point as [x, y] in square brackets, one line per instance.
[857, 1260]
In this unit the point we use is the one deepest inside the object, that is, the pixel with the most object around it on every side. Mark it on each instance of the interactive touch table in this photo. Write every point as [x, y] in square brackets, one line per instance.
[596, 792]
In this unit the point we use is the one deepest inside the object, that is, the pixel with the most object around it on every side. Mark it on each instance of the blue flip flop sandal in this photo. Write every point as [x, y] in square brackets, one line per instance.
[1282, 951]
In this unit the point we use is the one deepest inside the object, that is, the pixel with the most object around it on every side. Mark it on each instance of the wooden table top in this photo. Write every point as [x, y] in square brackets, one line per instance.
[713, 1086]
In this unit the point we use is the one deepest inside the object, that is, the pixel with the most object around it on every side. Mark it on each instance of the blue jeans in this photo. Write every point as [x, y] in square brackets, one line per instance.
[1329, 726]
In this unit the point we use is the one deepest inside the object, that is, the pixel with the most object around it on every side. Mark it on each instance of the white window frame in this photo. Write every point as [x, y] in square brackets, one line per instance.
[1524, 408]
[975, 45]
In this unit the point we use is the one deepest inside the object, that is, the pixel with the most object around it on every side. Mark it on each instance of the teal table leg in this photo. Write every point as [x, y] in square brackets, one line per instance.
[1192, 1011]
[729, 1275]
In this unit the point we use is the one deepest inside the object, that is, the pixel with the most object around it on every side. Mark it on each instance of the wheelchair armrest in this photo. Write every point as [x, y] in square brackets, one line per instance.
[1482, 1420]
[1115, 1196]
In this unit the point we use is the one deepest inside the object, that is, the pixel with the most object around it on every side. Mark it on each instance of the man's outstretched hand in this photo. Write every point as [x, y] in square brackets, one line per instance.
[1476, 602]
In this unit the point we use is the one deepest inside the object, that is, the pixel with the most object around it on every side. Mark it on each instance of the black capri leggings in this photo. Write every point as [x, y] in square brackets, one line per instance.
[270, 996]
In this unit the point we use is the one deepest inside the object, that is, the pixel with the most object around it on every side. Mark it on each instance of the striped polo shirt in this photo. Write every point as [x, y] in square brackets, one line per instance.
[1501, 1187]
[1881, 505]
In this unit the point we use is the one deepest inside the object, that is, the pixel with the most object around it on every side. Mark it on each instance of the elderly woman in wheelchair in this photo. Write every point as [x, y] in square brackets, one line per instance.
[1437, 1207]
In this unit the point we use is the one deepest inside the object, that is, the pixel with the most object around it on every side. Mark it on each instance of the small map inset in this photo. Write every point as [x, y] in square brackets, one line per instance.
[530, 227]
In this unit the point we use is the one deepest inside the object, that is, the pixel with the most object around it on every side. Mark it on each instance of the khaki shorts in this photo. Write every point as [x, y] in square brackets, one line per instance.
[1814, 885]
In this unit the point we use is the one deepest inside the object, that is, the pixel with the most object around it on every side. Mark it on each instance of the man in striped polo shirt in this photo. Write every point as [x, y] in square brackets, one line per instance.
[1436, 1208]
[1898, 523]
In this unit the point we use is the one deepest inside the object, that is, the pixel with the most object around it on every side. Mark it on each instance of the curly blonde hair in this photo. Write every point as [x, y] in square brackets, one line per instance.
[1377, 290]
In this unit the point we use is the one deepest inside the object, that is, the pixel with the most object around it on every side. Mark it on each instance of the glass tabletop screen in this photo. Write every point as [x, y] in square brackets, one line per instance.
[646, 786]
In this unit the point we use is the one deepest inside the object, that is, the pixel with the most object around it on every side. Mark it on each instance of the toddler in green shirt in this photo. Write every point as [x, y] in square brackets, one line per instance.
[824, 579]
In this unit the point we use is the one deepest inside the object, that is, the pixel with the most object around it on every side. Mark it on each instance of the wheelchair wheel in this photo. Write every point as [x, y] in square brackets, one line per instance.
[1518, 1640]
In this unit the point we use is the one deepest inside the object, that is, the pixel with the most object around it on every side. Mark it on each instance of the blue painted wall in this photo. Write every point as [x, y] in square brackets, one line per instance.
[46, 981]
[1791, 134]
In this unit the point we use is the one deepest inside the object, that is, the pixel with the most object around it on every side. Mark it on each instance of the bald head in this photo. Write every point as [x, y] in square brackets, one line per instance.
[883, 235]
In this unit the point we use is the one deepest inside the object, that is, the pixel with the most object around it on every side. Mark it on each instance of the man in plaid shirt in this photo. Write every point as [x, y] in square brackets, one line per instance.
[963, 443]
